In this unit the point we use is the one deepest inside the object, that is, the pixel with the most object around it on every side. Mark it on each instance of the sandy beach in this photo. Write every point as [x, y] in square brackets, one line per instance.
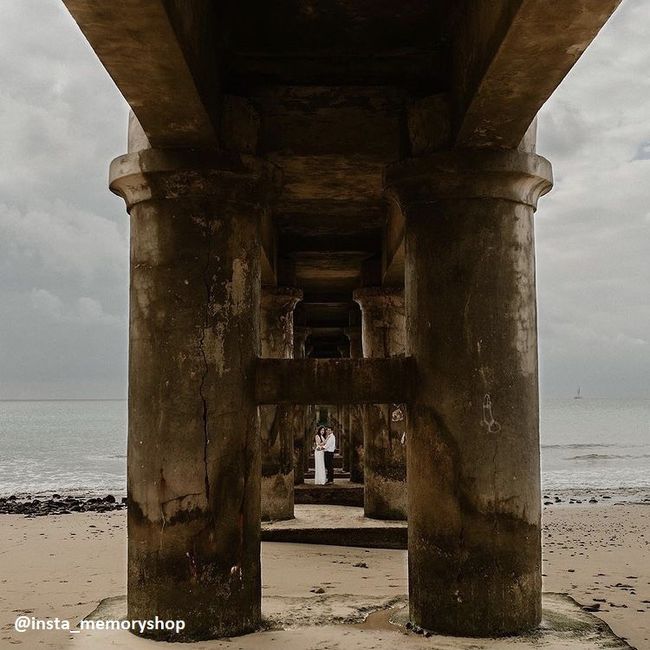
[600, 555]
[62, 566]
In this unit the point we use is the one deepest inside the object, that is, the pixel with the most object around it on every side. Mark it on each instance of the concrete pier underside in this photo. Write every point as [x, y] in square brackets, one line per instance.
[287, 157]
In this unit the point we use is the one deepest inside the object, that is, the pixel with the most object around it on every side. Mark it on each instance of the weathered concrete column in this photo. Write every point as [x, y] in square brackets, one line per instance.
[193, 441]
[300, 413]
[383, 334]
[355, 415]
[342, 416]
[473, 446]
[310, 430]
[342, 434]
[345, 436]
[277, 422]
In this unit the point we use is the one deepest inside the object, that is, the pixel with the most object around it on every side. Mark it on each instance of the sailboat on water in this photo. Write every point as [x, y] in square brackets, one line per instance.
[577, 395]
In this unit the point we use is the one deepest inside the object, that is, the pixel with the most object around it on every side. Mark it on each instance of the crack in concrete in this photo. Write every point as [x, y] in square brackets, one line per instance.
[181, 497]
[204, 401]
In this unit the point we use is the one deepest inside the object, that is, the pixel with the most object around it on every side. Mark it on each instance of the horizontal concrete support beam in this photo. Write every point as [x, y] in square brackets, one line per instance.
[146, 46]
[329, 177]
[333, 381]
[395, 537]
[509, 57]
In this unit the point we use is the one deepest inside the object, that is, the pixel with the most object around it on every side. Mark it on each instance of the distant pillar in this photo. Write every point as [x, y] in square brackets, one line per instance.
[473, 450]
[193, 441]
[345, 437]
[310, 431]
[355, 426]
[382, 327]
[277, 421]
[342, 414]
[300, 413]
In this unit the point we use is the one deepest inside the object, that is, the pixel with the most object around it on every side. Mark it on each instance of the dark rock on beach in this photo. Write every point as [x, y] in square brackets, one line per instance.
[592, 608]
[57, 505]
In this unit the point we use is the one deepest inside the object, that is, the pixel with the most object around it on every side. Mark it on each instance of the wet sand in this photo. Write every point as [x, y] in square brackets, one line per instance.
[600, 555]
[64, 565]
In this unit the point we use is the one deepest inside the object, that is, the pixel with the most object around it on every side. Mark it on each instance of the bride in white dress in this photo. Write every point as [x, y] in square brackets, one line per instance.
[320, 477]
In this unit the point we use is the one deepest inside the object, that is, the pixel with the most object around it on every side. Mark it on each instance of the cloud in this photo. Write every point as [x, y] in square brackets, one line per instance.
[60, 348]
[593, 230]
[61, 118]
[63, 240]
[47, 303]
[64, 237]
[643, 152]
[86, 311]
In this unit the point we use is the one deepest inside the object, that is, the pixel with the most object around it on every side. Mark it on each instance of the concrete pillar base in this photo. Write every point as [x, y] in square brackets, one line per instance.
[193, 441]
[473, 439]
[355, 415]
[278, 422]
[385, 498]
[277, 497]
[356, 444]
[565, 624]
[384, 455]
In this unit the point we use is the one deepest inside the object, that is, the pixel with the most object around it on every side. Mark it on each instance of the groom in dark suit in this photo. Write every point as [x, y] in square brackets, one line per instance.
[330, 446]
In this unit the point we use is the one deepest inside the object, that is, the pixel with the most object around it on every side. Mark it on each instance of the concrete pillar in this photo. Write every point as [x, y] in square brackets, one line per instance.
[310, 430]
[342, 417]
[300, 413]
[383, 335]
[355, 426]
[322, 414]
[193, 431]
[473, 441]
[277, 421]
[345, 436]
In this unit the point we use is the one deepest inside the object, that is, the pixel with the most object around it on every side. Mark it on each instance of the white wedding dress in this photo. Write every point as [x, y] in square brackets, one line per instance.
[320, 477]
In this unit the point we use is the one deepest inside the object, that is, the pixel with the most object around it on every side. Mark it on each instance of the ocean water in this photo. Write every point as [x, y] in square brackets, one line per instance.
[596, 445]
[69, 447]
[79, 447]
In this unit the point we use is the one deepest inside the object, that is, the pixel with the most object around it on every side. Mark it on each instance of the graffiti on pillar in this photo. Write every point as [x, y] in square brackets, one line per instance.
[488, 420]
[397, 414]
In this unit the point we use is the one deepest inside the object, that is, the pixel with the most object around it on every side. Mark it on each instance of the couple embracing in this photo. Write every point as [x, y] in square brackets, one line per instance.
[324, 446]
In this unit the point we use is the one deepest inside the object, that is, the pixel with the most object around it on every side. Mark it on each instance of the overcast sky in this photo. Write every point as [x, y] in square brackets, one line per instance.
[64, 237]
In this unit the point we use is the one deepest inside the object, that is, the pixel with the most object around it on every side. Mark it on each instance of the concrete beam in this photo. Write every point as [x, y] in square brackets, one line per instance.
[509, 57]
[362, 242]
[507, 63]
[146, 46]
[333, 381]
[330, 177]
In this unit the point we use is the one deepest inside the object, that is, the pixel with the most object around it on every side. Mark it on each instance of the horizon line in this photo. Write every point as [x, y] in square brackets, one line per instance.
[65, 399]
[125, 399]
